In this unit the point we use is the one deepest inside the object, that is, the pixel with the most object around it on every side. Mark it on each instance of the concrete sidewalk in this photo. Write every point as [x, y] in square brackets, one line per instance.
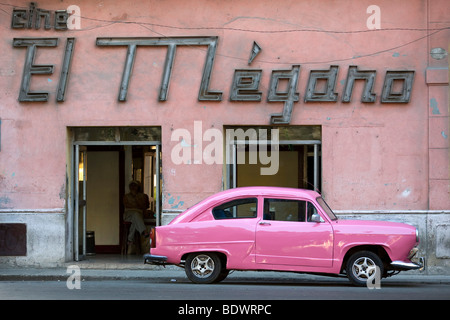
[152, 273]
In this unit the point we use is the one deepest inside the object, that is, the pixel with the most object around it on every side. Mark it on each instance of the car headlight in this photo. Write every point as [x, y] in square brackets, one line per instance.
[417, 235]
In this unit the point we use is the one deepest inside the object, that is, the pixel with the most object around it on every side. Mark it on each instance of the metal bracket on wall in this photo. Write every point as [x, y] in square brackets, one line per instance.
[354, 74]
[245, 85]
[256, 49]
[328, 95]
[63, 79]
[403, 95]
[205, 94]
[289, 96]
[30, 68]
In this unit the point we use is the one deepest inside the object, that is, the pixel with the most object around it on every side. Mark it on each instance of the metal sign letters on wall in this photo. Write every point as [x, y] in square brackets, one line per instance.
[321, 84]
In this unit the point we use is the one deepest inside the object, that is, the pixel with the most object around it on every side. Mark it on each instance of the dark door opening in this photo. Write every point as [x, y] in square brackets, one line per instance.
[296, 169]
[102, 173]
[297, 150]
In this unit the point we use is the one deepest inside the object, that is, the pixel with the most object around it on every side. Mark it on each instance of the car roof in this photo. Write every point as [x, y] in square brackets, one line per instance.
[222, 196]
[265, 191]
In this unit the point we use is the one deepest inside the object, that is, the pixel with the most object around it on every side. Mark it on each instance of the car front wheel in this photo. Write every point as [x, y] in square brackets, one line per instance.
[203, 267]
[363, 268]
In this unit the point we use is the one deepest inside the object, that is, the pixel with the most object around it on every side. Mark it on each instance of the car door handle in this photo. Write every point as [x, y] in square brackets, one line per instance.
[264, 223]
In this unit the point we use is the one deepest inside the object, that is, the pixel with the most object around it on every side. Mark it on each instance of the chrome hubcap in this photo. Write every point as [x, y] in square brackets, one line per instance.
[364, 268]
[202, 266]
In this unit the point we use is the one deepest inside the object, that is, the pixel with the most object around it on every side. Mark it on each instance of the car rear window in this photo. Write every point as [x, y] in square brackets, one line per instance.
[236, 209]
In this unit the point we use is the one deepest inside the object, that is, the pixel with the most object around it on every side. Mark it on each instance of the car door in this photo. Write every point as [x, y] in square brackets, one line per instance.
[286, 235]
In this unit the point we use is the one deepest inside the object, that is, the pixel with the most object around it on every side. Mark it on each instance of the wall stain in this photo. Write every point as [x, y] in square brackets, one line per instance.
[4, 201]
[434, 106]
[172, 203]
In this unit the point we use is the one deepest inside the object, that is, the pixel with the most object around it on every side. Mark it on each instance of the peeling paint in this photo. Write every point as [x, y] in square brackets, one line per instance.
[434, 106]
[179, 204]
[445, 136]
[4, 201]
[406, 193]
[172, 203]
[184, 144]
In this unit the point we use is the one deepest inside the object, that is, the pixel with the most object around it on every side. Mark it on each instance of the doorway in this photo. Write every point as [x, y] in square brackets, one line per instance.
[298, 151]
[104, 161]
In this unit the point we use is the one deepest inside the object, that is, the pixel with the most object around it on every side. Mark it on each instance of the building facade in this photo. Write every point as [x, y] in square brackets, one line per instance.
[193, 97]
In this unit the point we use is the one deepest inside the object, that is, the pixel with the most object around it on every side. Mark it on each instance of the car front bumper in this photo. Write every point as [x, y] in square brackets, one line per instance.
[403, 266]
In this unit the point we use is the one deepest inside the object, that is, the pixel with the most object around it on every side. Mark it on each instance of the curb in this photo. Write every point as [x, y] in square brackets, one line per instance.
[178, 275]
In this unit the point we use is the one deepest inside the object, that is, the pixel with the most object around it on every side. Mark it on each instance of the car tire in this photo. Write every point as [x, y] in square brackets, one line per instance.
[203, 267]
[223, 274]
[363, 268]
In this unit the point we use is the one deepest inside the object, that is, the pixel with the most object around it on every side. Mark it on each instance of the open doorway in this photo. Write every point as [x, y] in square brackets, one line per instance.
[102, 171]
[296, 169]
[298, 153]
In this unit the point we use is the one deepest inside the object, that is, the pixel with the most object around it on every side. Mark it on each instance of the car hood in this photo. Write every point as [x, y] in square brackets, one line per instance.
[371, 226]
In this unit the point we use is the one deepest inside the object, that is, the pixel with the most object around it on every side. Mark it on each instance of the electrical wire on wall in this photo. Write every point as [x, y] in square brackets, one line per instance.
[151, 27]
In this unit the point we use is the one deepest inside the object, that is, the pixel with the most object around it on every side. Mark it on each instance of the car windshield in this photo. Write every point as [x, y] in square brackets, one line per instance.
[326, 208]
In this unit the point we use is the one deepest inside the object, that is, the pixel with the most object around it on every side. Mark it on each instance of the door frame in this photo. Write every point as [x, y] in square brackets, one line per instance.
[298, 238]
[73, 195]
[231, 156]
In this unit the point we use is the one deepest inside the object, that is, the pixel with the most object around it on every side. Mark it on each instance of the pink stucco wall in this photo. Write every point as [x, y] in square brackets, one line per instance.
[375, 156]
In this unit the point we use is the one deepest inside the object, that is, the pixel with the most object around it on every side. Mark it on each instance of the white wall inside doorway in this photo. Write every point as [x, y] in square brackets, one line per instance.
[287, 175]
[103, 196]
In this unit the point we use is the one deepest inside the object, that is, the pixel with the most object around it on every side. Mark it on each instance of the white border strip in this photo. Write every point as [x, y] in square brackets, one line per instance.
[33, 211]
[391, 212]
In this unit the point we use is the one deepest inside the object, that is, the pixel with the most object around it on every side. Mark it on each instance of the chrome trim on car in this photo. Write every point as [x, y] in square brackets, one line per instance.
[422, 262]
[401, 265]
[153, 259]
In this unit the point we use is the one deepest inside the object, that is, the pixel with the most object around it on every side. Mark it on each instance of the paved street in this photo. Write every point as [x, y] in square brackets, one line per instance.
[177, 287]
[260, 294]
[107, 277]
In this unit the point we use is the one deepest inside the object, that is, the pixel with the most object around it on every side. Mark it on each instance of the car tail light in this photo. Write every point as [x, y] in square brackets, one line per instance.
[153, 238]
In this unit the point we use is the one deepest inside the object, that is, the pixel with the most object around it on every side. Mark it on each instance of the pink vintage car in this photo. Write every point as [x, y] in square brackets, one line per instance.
[282, 229]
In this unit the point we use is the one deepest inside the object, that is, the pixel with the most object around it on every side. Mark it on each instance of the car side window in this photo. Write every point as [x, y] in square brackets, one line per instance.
[289, 210]
[236, 209]
[311, 211]
[284, 210]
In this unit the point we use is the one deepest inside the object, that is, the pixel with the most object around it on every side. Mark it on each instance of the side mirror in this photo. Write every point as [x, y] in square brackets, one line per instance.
[316, 218]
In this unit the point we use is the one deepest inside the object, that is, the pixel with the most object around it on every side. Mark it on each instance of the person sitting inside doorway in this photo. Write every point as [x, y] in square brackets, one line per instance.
[135, 203]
